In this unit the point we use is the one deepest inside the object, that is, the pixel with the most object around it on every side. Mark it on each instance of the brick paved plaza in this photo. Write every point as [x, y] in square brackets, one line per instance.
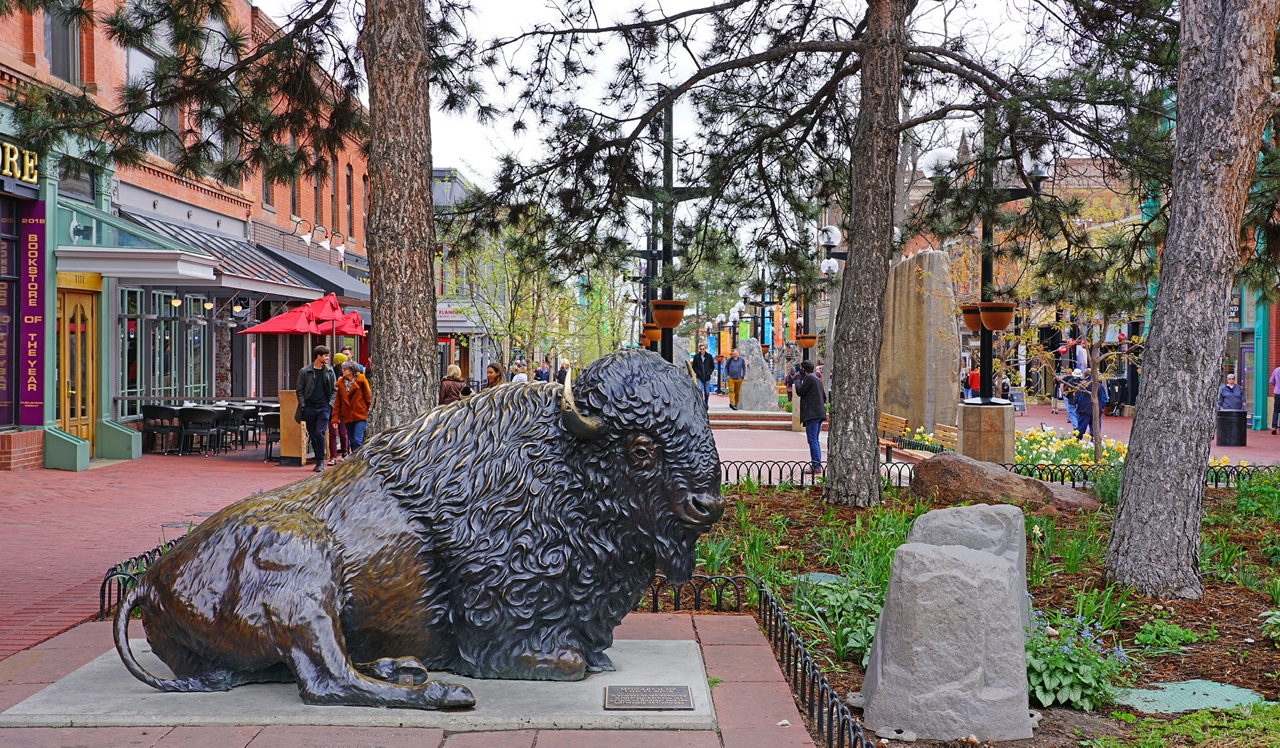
[60, 531]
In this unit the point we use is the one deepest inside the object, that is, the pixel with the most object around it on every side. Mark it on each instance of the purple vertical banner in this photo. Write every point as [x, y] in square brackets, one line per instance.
[31, 310]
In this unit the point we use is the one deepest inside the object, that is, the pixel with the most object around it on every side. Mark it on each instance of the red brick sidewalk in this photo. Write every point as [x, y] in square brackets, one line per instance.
[751, 699]
[60, 531]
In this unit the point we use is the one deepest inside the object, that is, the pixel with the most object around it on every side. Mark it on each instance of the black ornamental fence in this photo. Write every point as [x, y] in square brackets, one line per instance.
[121, 578]
[789, 473]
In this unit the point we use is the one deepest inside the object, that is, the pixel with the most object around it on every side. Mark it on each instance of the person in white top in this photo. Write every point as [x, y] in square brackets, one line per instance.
[522, 375]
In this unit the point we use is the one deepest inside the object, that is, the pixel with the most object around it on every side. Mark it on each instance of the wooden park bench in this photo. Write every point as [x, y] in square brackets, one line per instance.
[892, 430]
[947, 436]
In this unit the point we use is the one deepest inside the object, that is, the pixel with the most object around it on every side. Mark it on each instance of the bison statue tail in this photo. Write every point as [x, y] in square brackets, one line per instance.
[126, 655]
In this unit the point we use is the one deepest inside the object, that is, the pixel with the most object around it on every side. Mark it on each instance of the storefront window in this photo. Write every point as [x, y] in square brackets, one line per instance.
[130, 345]
[197, 364]
[8, 319]
[164, 375]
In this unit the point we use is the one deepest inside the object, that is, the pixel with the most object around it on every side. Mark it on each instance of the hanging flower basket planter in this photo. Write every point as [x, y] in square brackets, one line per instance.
[972, 317]
[806, 340]
[652, 333]
[996, 315]
[764, 347]
[667, 313]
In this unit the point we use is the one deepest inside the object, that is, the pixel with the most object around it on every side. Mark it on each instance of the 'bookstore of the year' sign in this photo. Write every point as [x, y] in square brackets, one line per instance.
[657, 698]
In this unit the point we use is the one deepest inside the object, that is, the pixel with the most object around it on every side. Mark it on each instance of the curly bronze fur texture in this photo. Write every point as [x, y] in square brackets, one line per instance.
[488, 538]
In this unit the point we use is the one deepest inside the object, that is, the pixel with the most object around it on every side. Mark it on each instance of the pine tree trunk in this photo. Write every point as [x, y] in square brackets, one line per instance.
[401, 239]
[853, 459]
[1224, 85]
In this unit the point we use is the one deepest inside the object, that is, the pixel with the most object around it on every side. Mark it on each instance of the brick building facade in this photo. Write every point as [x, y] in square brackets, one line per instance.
[139, 278]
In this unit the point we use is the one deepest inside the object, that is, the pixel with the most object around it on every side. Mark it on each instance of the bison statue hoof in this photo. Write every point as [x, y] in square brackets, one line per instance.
[440, 695]
[404, 671]
[599, 662]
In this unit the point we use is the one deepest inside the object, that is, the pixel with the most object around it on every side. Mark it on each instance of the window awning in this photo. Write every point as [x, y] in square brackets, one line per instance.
[323, 275]
[92, 241]
[240, 264]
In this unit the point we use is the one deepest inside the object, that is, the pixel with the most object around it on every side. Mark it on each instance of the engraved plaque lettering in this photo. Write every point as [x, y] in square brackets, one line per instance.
[649, 698]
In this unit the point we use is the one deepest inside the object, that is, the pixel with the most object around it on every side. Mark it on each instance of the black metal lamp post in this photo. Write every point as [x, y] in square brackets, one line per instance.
[999, 196]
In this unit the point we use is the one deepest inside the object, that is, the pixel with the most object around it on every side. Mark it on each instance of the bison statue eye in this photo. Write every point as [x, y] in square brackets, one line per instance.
[641, 451]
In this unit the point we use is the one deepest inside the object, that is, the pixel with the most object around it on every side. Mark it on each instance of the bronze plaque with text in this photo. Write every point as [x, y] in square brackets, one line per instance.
[654, 698]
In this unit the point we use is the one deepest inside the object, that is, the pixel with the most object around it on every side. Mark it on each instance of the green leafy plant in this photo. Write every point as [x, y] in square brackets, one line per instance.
[1271, 626]
[1109, 606]
[714, 552]
[845, 614]
[1106, 485]
[1068, 663]
[1160, 634]
[1272, 588]
[1270, 548]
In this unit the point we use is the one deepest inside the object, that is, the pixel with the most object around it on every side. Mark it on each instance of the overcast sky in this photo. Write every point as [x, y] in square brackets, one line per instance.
[473, 148]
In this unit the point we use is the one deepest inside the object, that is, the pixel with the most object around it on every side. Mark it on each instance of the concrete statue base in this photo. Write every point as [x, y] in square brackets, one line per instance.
[986, 431]
[104, 694]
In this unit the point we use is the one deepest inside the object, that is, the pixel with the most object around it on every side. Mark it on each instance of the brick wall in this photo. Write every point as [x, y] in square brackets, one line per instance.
[103, 70]
[22, 450]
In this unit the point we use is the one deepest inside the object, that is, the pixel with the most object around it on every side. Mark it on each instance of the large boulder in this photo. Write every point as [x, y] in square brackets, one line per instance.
[948, 659]
[999, 530]
[920, 352]
[952, 478]
[760, 388]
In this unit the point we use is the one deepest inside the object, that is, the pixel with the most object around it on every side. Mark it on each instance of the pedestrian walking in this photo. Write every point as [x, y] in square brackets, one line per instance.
[351, 404]
[1084, 408]
[736, 370]
[704, 365]
[452, 385]
[339, 446]
[543, 373]
[346, 351]
[975, 383]
[813, 411]
[1070, 388]
[1275, 399]
[316, 388]
[521, 375]
[562, 372]
[1231, 395]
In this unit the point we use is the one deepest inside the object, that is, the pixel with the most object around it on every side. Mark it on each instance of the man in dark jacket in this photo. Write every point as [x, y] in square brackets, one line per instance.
[704, 365]
[813, 411]
[316, 386]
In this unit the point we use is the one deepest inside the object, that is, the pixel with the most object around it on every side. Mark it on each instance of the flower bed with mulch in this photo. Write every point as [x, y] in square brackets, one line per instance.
[782, 535]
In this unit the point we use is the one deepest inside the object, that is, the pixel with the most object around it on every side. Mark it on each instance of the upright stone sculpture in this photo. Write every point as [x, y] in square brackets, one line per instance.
[920, 352]
[502, 536]
[998, 529]
[679, 351]
[949, 655]
[760, 388]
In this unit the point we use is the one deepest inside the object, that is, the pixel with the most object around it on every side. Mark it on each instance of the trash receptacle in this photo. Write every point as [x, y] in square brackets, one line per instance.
[1233, 425]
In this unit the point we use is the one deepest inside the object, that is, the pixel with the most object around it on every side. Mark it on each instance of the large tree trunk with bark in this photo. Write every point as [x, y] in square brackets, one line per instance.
[1224, 100]
[853, 459]
[401, 238]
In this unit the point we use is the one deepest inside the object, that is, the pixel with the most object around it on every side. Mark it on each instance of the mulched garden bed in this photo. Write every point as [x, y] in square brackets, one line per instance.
[1239, 655]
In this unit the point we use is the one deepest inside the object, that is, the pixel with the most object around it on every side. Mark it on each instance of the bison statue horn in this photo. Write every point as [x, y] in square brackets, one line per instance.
[584, 427]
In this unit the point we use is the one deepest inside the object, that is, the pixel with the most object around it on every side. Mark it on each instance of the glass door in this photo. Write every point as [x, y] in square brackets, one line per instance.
[77, 335]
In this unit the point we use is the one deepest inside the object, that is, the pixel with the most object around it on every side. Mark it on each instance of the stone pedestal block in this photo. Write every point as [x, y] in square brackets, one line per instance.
[986, 432]
[1000, 530]
[948, 659]
[920, 352]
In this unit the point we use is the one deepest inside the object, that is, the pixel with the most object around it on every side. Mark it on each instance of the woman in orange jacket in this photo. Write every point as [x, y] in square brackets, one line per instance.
[351, 403]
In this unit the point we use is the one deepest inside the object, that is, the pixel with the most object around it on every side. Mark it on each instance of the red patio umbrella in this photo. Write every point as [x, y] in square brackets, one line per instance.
[352, 324]
[292, 322]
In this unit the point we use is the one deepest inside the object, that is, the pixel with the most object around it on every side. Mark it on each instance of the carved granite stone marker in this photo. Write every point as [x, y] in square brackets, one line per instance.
[503, 536]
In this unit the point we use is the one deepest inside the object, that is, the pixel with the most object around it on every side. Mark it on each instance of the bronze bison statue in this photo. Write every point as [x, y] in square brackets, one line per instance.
[502, 536]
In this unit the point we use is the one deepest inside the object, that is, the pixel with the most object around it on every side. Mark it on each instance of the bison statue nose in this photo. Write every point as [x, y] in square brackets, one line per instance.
[701, 509]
